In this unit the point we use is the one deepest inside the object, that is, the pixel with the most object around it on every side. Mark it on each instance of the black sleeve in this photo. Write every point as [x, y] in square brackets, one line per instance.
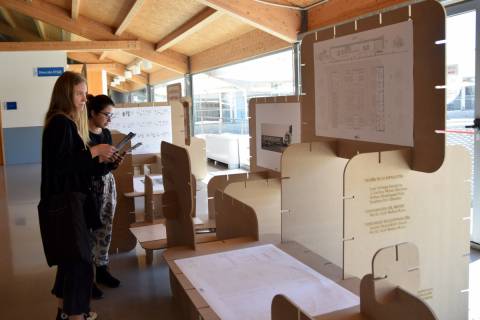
[67, 154]
[102, 169]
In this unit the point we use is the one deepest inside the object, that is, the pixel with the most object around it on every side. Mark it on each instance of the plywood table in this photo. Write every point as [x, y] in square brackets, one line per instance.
[193, 304]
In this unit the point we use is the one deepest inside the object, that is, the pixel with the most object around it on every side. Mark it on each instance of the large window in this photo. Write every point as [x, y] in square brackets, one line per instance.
[461, 39]
[221, 96]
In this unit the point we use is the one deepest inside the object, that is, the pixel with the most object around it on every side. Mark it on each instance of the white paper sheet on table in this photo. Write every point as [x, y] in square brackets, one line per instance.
[241, 284]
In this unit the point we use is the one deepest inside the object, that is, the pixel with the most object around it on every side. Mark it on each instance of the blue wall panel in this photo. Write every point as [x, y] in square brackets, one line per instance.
[23, 145]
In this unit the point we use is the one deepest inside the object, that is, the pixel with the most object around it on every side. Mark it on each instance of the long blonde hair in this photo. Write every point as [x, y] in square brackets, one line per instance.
[61, 102]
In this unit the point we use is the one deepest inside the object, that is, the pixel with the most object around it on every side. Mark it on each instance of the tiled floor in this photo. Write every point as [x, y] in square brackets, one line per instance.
[25, 279]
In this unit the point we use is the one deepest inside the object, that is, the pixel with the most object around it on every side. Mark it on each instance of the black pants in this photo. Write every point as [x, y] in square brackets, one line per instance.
[73, 284]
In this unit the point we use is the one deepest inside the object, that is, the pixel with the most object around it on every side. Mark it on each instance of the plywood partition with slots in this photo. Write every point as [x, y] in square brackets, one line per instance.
[274, 124]
[264, 196]
[235, 218]
[122, 239]
[312, 194]
[386, 202]
[427, 62]
[220, 182]
[179, 190]
[384, 292]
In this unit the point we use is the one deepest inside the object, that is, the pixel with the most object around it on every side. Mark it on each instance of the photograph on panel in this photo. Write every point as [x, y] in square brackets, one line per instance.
[276, 137]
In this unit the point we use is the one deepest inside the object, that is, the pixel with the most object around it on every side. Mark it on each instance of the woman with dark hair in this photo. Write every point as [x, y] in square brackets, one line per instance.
[67, 213]
[100, 112]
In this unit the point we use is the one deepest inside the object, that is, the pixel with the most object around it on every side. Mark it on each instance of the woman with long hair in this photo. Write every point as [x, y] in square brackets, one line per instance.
[100, 112]
[67, 211]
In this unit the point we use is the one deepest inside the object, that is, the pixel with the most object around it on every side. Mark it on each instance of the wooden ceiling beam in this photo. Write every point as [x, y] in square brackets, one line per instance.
[191, 26]
[90, 46]
[40, 29]
[283, 23]
[75, 67]
[18, 33]
[75, 9]
[137, 5]
[94, 30]
[86, 57]
[249, 45]
[111, 67]
[103, 56]
[333, 12]
[118, 69]
[8, 17]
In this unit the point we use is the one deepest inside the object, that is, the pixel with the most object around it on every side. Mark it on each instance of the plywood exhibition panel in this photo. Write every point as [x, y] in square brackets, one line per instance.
[178, 198]
[122, 239]
[220, 182]
[264, 197]
[312, 193]
[198, 157]
[352, 58]
[386, 202]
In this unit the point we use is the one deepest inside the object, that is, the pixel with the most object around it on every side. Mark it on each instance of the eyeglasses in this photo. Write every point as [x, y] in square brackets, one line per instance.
[109, 115]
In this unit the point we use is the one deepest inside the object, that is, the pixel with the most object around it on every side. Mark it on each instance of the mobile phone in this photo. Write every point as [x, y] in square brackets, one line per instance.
[138, 144]
[124, 141]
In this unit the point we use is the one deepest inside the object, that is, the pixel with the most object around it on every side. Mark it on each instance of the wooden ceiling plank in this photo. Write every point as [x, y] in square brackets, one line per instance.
[191, 26]
[90, 46]
[75, 68]
[75, 9]
[281, 22]
[40, 29]
[94, 30]
[337, 11]
[66, 36]
[249, 45]
[18, 33]
[103, 56]
[129, 17]
[8, 17]
[161, 76]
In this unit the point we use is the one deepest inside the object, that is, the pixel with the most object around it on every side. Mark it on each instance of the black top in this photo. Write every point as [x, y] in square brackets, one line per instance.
[66, 163]
[103, 137]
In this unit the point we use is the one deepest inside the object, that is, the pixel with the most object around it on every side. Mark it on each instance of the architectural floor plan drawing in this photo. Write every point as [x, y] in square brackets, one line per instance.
[240, 284]
[364, 86]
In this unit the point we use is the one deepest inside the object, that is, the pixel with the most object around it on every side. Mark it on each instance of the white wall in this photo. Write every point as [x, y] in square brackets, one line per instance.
[18, 83]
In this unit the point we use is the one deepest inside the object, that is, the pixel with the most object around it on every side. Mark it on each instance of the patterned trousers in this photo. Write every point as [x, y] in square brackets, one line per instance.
[107, 195]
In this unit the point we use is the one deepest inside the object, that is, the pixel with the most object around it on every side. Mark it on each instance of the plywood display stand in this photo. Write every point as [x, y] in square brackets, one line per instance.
[386, 202]
[179, 205]
[181, 137]
[429, 71]
[384, 293]
[264, 197]
[122, 239]
[312, 198]
[220, 182]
